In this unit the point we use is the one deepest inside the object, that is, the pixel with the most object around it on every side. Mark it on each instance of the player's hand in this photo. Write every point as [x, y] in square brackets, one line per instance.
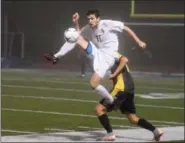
[142, 44]
[111, 76]
[75, 17]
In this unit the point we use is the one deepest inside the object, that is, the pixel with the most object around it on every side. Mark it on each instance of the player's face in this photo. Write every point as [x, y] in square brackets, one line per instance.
[92, 20]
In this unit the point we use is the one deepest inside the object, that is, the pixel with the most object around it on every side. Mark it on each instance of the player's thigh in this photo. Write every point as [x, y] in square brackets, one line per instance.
[102, 61]
[101, 70]
[127, 104]
[102, 64]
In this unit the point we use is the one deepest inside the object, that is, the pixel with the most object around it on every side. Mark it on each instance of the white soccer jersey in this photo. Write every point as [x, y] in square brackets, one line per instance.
[105, 43]
[105, 35]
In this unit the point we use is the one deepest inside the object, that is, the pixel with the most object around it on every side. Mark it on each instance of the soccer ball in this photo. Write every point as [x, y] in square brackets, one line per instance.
[71, 35]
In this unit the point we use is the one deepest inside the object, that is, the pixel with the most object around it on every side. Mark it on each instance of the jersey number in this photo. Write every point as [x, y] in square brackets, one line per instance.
[98, 37]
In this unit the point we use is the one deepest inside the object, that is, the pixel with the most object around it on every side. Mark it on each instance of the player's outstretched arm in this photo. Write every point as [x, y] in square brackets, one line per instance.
[138, 41]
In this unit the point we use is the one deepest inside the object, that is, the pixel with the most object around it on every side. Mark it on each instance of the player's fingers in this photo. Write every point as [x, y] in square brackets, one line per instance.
[74, 16]
[111, 77]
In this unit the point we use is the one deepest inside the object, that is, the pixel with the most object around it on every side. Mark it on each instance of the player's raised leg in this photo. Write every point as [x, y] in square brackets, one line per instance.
[67, 47]
[97, 76]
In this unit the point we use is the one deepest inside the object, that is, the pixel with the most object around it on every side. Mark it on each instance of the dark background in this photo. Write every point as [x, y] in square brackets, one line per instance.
[43, 24]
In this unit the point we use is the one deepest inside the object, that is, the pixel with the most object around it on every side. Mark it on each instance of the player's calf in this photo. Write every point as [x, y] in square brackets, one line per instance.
[146, 125]
[103, 118]
[133, 119]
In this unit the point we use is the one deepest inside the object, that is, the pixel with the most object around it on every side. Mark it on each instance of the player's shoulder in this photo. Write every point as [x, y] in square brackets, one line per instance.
[105, 22]
[108, 22]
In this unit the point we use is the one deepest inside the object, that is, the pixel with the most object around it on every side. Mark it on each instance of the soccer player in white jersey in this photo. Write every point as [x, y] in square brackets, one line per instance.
[103, 46]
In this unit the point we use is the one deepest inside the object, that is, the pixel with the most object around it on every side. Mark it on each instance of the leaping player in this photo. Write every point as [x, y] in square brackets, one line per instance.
[102, 44]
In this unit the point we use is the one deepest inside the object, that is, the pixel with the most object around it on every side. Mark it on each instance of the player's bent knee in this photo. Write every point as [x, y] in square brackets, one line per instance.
[95, 81]
[93, 84]
[124, 59]
[99, 109]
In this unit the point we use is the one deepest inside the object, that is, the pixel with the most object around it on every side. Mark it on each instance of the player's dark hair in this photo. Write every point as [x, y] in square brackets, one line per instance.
[94, 12]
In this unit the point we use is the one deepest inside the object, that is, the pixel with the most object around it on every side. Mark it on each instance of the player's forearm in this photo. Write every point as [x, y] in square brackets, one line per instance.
[131, 33]
[77, 26]
[123, 62]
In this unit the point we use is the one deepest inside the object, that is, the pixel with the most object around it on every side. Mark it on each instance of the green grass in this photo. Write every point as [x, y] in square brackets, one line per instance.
[29, 84]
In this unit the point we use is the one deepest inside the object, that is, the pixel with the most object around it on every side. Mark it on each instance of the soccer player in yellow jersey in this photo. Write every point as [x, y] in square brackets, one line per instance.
[123, 92]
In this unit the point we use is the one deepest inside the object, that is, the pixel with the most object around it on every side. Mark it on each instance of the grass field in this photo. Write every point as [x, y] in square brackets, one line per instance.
[35, 102]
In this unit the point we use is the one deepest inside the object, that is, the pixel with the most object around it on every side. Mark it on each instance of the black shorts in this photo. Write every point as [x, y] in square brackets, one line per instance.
[124, 102]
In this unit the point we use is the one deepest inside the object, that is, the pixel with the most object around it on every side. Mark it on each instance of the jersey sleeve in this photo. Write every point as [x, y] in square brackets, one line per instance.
[115, 25]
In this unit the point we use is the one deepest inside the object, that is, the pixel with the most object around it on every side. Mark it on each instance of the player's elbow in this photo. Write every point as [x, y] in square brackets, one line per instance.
[124, 60]
[129, 31]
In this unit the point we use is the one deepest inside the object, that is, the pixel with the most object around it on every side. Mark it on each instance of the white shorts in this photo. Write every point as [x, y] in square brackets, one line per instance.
[102, 61]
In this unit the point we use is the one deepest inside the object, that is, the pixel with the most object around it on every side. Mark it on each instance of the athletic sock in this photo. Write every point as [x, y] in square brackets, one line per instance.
[145, 124]
[105, 123]
[102, 91]
[64, 49]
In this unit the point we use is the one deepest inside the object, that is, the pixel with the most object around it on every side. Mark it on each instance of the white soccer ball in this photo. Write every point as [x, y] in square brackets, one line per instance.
[71, 35]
